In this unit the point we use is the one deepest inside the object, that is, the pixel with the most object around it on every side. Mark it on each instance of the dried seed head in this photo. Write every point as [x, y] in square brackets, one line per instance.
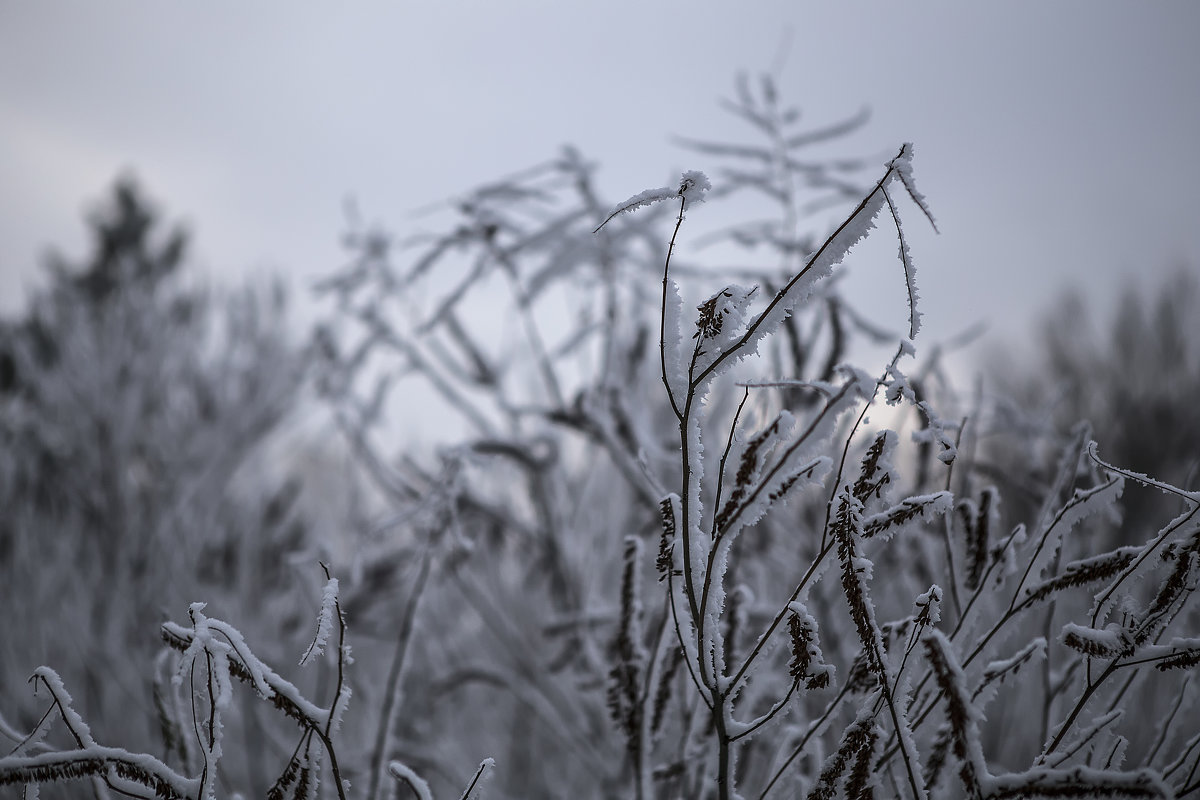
[873, 477]
[807, 660]
[668, 509]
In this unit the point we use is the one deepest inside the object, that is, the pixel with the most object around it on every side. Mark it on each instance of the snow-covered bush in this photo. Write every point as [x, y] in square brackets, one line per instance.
[660, 554]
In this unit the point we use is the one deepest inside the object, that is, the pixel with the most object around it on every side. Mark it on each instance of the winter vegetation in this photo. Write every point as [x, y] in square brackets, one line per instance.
[669, 543]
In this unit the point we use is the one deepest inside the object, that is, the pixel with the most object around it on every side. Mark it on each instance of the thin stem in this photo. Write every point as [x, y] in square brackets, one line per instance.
[474, 781]
[769, 715]
[725, 457]
[392, 687]
[662, 317]
[326, 735]
[808, 734]
[1091, 688]
[679, 634]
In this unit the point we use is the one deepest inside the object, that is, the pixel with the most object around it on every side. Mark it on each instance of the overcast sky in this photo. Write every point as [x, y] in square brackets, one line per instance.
[1056, 141]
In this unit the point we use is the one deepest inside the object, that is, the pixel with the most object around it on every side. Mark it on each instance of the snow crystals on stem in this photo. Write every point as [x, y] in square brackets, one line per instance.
[692, 190]
[674, 363]
[902, 163]
[329, 599]
[820, 265]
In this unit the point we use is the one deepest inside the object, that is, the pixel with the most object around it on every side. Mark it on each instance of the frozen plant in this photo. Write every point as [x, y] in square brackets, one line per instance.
[676, 580]
[657, 553]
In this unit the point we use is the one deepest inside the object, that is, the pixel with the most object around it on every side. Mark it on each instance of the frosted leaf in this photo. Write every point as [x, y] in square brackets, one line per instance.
[998, 671]
[910, 275]
[864, 567]
[310, 775]
[693, 186]
[694, 507]
[283, 693]
[910, 270]
[798, 462]
[669, 561]
[748, 503]
[719, 324]
[907, 514]
[340, 704]
[1183, 531]
[644, 198]
[1111, 642]
[855, 751]
[153, 777]
[32, 741]
[329, 598]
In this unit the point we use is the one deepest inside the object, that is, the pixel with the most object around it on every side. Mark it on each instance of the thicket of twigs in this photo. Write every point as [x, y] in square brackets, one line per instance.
[669, 554]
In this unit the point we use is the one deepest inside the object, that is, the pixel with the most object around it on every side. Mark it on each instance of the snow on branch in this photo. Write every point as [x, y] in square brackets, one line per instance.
[329, 598]
[132, 774]
[906, 513]
[284, 695]
[820, 265]
[693, 186]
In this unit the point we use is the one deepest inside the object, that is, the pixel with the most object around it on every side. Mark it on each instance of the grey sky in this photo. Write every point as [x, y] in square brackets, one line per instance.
[1056, 141]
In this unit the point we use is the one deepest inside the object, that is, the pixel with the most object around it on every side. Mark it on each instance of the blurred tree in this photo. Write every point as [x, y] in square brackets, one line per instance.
[1135, 380]
[135, 413]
